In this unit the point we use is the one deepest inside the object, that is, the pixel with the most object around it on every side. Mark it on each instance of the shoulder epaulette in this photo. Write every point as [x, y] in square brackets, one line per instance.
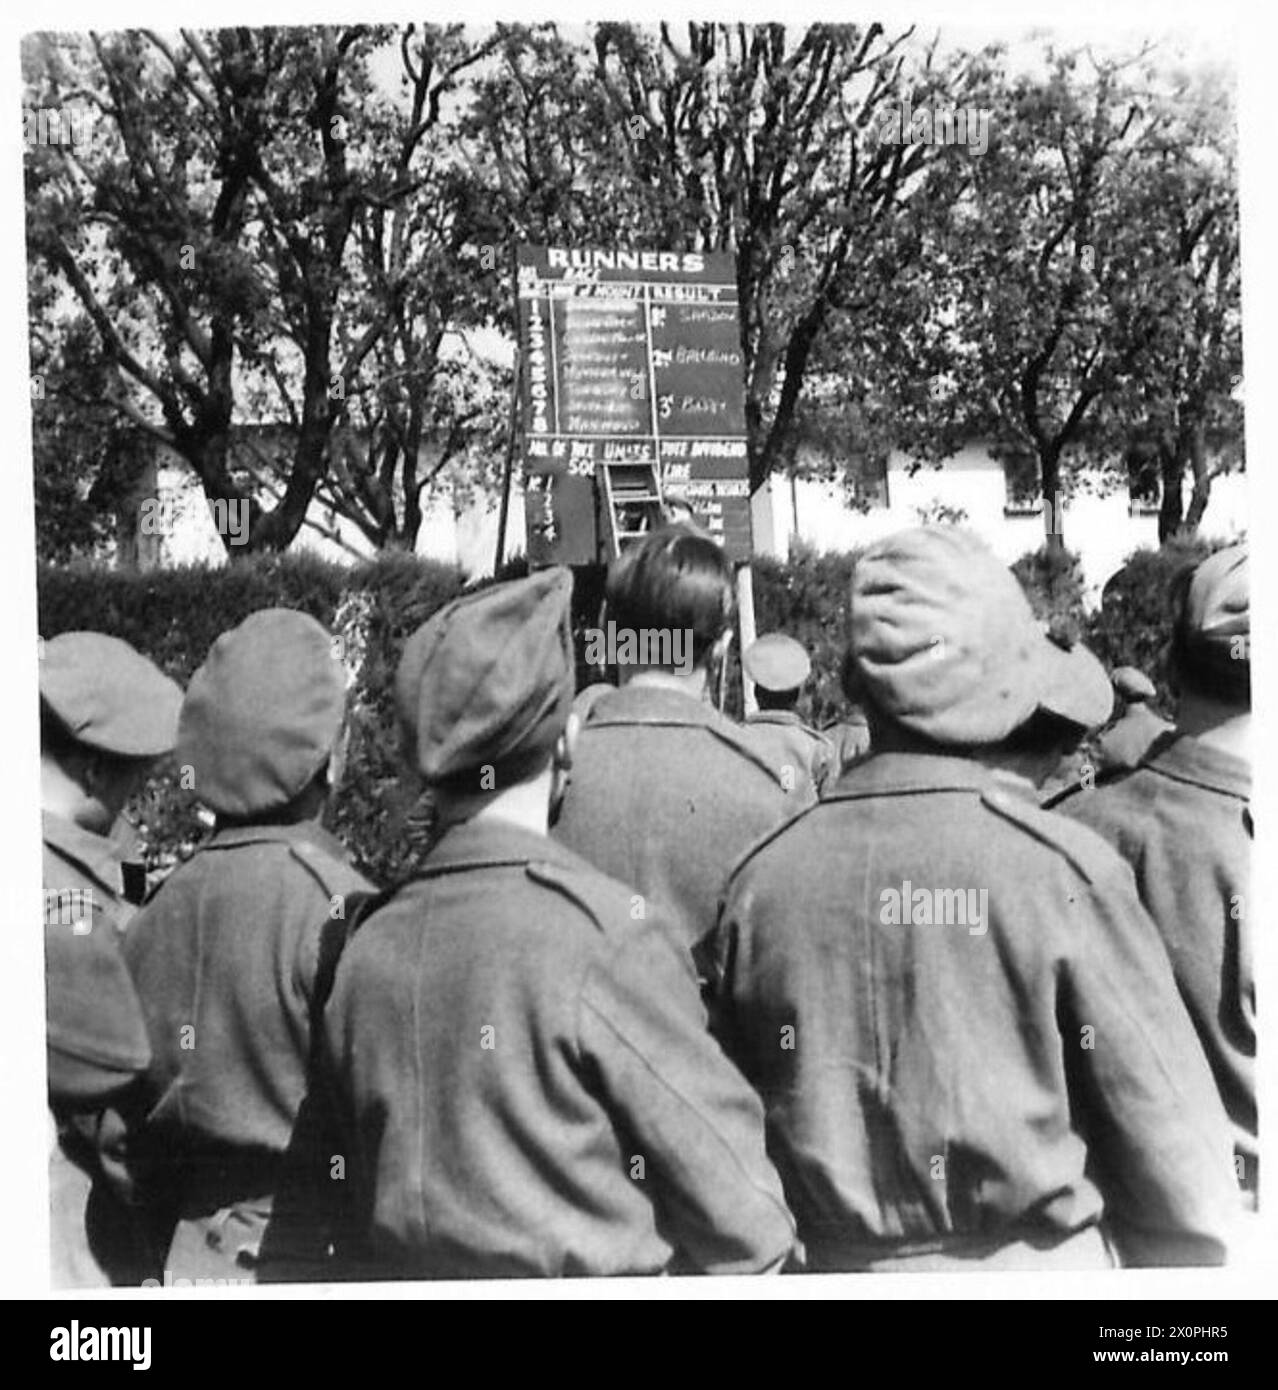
[333, 875]
[599, 897]
[767, 838]
[730, 737]
[1073, 842]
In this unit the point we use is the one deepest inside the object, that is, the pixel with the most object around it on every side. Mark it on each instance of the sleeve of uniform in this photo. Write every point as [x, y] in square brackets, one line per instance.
[1148, 1106]
[696, 1121]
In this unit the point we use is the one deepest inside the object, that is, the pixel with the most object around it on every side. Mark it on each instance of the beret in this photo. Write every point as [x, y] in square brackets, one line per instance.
[945, 642]
[1215, 623]
[108, 695]
[488, 682]
[263, 713]
[776, 662]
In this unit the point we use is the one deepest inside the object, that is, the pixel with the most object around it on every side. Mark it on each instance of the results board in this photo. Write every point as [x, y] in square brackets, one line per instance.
[630, 357]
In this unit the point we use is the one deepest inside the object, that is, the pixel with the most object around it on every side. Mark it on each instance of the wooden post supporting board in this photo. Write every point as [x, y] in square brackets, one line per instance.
[745, 625]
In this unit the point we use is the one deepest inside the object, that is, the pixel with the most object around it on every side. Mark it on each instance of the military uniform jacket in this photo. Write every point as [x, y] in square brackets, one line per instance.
[666, 795]
[96, 1035]
[804, 757]
[96, 1040]
[225, 958]
[528, 1084]
[1183, 822]
[1012, 1075]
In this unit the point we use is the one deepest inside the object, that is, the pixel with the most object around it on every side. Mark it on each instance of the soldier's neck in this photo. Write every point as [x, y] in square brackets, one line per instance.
[61, 795]
[660, 678]
[523, 804]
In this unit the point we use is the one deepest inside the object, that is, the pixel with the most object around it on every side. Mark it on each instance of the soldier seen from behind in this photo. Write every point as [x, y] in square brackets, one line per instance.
[960, 1018]
[524, 1082]
[232, 954]
[779, 668]
[1181, 817]
[107, 714]
[666, 793]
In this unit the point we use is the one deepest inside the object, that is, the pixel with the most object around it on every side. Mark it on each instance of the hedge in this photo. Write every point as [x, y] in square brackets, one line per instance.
[174, 615]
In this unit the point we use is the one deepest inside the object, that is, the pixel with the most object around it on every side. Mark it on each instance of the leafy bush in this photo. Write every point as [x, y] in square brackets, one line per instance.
[806, 597]
[175, 615]
[1053, 583]
[1133, 623]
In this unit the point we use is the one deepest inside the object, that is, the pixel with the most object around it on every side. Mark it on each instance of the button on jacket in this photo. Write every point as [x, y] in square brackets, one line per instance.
[528, 1084]
[1183, 822]
[977, 1088]
[666, 795]
[225, 958]
[787, 742]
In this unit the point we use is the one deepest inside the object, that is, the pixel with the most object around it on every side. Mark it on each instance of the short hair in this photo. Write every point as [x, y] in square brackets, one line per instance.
[777, 699]
[676, 579]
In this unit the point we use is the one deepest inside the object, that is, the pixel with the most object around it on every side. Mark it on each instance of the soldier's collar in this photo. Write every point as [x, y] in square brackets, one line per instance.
[487, 843]
[908, 774]
[660, 707]
[652, 704]
[775, 716]
[264, 833]
[1189, 759]
[95, 854]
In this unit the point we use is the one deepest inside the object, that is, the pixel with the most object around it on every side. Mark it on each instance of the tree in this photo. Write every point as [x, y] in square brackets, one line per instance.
[78, 476]
[1063, 265]
[1178, 403]
[743, 138]
[219, 230]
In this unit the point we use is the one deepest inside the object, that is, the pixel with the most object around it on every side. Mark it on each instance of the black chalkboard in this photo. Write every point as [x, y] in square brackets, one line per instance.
[630, 356]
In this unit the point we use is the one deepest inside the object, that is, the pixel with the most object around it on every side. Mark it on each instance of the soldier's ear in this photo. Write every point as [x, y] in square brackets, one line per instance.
[561, 766]
[567, 744]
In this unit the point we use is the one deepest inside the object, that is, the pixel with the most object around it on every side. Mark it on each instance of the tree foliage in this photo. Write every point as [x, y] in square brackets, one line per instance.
[310, 229]
[251, 224]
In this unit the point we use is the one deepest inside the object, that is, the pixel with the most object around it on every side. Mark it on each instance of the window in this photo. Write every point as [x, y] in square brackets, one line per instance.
[868, 477]
[1021, 484]
[1144, 484]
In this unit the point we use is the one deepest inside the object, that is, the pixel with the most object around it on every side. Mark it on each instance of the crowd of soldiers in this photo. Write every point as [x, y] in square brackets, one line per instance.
[669, 993]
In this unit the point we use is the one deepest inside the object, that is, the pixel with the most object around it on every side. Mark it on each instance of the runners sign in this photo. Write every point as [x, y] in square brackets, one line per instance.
[630, 357]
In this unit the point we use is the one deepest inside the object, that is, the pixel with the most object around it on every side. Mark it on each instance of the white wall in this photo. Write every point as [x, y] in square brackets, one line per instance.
[1099, 528]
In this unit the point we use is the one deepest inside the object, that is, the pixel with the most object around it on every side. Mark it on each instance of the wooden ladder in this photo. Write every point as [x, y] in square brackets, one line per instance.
[633, 504]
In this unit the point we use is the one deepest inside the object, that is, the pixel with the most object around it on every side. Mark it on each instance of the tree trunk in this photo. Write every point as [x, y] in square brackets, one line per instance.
[1171, 471]
[1203, 475]
[1049, 463]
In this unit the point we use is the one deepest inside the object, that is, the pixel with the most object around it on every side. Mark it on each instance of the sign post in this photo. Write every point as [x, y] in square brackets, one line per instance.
[745, 622]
